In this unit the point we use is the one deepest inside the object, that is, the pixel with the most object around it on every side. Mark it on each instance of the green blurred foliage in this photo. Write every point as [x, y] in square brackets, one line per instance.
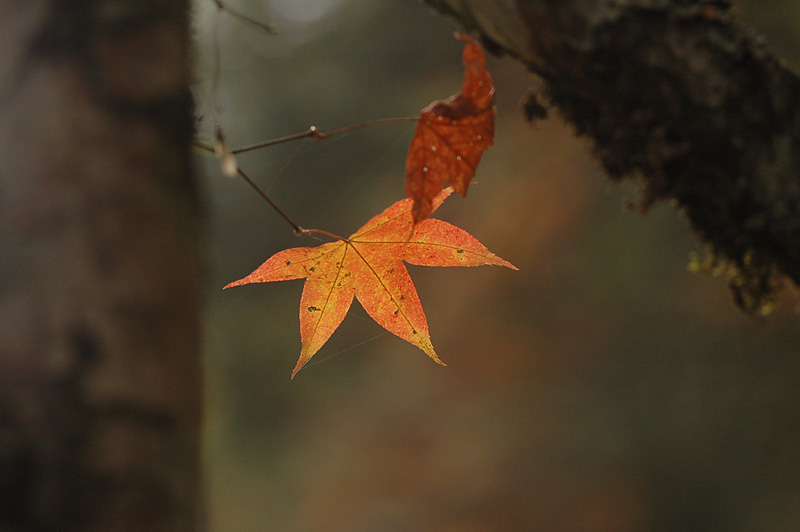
[601, 387]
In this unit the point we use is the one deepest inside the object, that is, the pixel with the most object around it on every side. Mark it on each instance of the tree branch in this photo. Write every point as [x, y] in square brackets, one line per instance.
[676, 93]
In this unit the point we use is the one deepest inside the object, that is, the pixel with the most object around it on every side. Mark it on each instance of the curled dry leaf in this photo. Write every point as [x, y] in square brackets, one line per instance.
[451, 135]
[369, 266]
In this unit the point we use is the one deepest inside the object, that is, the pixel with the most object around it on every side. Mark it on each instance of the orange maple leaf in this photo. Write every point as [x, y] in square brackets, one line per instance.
[369, 266]
[451, 135]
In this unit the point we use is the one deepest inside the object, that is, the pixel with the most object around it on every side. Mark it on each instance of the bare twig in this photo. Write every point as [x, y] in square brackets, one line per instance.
[270, 28]
[316, 134]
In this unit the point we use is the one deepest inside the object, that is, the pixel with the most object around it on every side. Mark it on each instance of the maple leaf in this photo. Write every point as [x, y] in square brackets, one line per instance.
[369, 266]
[451, 135]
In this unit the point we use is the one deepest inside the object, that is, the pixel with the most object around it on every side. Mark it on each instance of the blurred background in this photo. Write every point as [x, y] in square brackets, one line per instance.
[600, 388]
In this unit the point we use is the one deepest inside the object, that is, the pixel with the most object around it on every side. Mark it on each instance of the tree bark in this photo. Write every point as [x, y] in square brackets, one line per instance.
[677, 94]
[99, 277]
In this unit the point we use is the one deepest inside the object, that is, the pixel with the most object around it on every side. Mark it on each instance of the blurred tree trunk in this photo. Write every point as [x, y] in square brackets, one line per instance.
[99, 278]
[676, 93]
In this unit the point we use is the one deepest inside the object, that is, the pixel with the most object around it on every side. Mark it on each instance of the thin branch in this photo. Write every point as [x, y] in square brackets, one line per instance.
[316, 134]
[299, 231]
[231, 168]
[270, 28]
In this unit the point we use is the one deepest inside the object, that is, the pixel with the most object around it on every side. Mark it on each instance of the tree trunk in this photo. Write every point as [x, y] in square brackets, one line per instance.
[99, 278]
[676, 93]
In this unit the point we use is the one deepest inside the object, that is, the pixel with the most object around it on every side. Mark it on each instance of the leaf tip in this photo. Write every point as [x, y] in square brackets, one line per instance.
[240, 282]
[299, 366]
[494, 260]
[431, 353]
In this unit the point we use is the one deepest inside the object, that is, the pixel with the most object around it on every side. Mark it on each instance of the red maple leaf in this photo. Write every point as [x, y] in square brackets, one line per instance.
[451, 135]
[369, 266]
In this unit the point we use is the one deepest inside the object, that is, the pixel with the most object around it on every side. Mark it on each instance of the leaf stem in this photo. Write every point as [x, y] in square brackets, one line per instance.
[316, 134]
[304, 232]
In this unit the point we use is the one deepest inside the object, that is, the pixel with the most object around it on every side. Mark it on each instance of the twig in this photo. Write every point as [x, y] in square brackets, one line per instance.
[299, 231]
[229, 166]
[270, 28]
[316, 134]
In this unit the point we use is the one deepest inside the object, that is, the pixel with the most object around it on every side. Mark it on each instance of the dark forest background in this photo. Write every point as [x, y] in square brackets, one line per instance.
[601, 387]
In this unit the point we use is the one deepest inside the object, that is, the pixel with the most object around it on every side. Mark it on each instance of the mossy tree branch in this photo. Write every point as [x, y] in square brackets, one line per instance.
[679, 95]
